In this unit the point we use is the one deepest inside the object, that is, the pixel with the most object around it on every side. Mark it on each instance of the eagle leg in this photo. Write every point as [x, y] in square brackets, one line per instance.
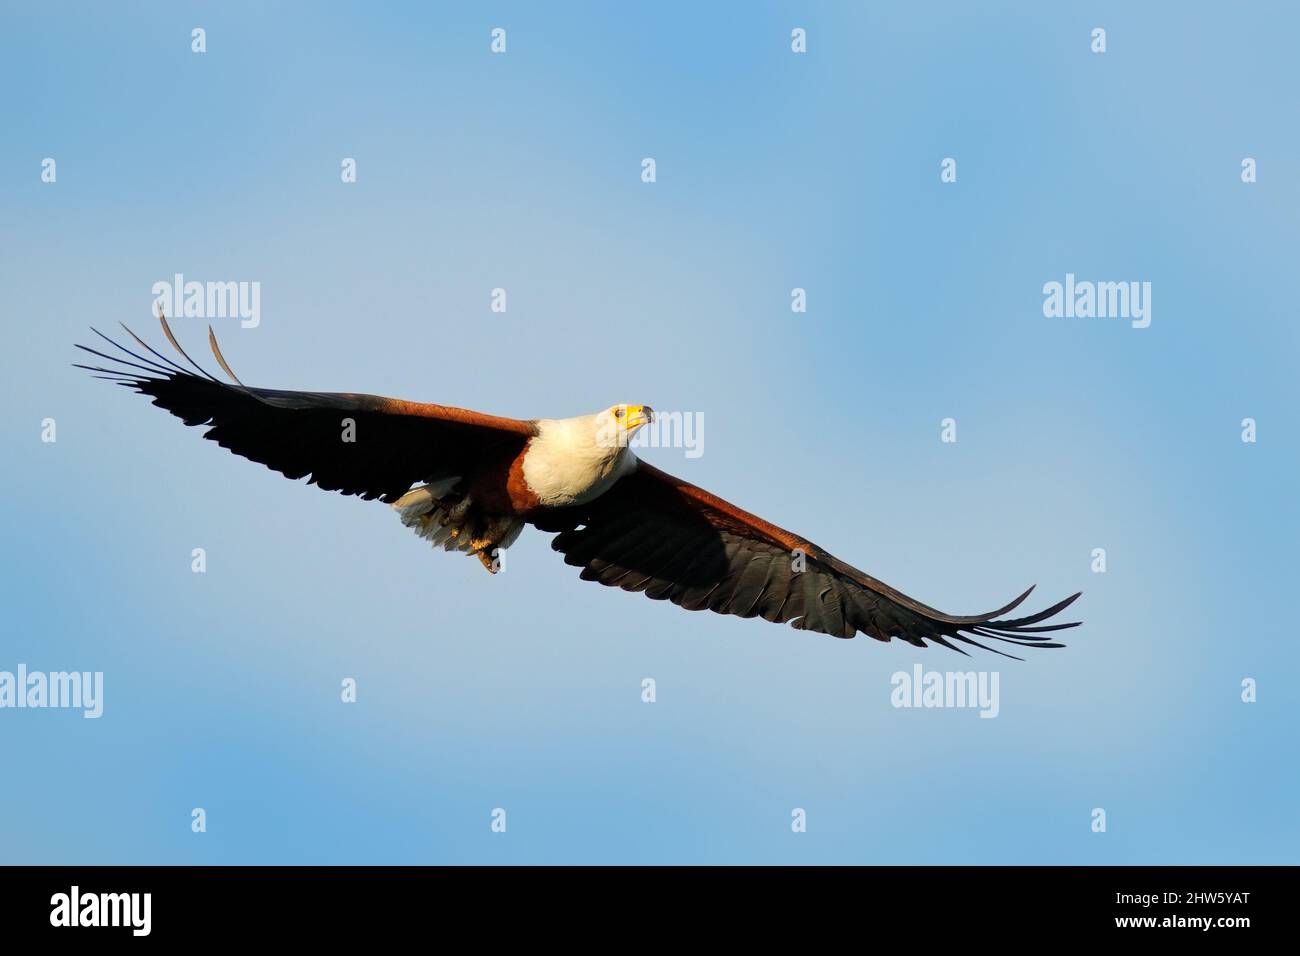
[497, 532]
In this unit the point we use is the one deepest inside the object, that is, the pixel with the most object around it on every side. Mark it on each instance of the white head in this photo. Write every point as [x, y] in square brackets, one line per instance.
[616, 425]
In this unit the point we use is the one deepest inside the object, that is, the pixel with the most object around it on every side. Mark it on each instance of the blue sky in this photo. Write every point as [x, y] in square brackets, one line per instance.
[774, 170]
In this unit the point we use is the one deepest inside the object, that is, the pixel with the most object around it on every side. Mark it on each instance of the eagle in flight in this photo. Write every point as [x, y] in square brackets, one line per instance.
[470, 482]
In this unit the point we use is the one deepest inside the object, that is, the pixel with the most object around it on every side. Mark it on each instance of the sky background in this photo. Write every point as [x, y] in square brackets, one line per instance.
[775, 170]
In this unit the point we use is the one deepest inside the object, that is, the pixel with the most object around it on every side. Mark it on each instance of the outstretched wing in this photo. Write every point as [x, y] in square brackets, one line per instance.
[672, 541]
[354, 444]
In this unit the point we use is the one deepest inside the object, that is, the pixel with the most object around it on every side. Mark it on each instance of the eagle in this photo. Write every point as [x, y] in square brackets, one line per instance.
[470, 482]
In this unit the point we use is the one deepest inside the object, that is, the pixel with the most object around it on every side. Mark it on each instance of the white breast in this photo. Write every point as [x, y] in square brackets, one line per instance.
[566, 463]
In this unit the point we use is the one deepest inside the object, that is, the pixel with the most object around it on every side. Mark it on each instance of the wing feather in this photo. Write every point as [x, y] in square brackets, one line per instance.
[674, 541]
[395, 443]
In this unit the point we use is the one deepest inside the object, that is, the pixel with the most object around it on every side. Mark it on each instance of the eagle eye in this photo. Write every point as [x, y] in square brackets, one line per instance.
[618, 413]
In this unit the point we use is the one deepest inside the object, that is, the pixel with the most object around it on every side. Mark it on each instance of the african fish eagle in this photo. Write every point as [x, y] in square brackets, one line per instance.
[470, 482]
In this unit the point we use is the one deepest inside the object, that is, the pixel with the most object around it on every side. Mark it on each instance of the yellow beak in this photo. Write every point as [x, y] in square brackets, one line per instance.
[638, 415]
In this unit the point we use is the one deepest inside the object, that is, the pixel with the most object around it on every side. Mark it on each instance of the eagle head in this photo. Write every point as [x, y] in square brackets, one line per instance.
[616, 425]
